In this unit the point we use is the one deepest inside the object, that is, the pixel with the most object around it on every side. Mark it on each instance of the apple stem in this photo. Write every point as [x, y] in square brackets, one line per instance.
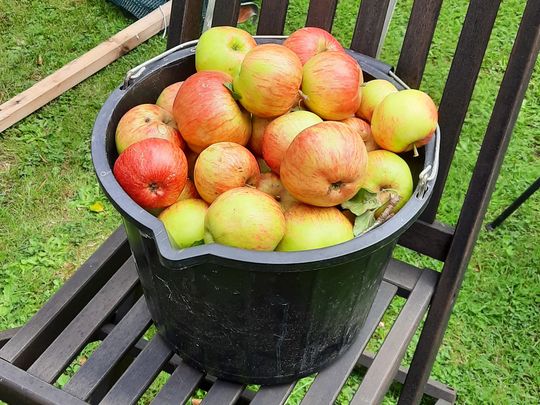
[387, 213]
[303, 95]
[415, 151]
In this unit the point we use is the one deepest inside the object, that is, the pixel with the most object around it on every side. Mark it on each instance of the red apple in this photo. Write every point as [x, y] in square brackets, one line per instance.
[310, 41]
[280, 133]
[324, 165]
[364, 129]
[404, 120]
[207, 113]
[146, 121]
[223, 166]
[270, 184]
[223, 49]
[189, 191]
[331, 85]
[269, 80]
[309, 227]
[373, 92]
[152, 172]
[245, 218]
[167, 96]
[258, 125]
[184, 222]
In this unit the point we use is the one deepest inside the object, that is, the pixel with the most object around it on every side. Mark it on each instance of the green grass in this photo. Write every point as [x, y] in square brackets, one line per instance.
[491, 350]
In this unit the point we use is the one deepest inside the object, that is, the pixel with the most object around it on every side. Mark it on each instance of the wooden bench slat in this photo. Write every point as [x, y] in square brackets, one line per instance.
[72, 339]
[140, 374]
[226, 13]
[381, 373]
[371, 21]
[429, 239]
[34, 337]
[417, 42]
[180, 386]
[273, 395]
[223, 393]
[321, 14]
[459, 87]
[100, 364]
[327, 385]
[272, 17]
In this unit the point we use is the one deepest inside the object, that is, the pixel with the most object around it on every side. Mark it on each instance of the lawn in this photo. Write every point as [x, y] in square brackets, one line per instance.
[491, 349]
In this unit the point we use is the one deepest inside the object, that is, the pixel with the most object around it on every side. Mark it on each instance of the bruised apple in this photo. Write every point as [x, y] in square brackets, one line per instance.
[153, 172]
[270, 184]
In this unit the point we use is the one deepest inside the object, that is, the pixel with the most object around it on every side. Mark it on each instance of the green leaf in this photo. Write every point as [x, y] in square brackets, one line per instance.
[229, 86]
[363, 201]
[197, 243]
[97, 207]
[364, 222]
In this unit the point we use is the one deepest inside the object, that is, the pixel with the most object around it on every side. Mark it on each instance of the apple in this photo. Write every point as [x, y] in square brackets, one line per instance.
[325, 164]
[387, 174]
[258, 125]
[223, 49]
[286, 199]
[270, 184]
[146, 121]
[189, 190]
[153, 172]
[331, 85]
[206, 112]
[310, 41]
[404, 120]
[222, 166]
[269, 80]
[364, 129]
[167, 96]
[373, 92]
[279, 134]
[309, 227]
[184, 222]
[245, 218]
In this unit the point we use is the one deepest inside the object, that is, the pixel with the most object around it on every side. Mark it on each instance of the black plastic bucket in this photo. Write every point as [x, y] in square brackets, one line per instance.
[251, 316]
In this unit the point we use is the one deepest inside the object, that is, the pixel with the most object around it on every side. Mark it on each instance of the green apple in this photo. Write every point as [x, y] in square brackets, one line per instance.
[184, 222]
[373, 92]
[246, 218]
[310, 227]
[404, 120]
[223, 49]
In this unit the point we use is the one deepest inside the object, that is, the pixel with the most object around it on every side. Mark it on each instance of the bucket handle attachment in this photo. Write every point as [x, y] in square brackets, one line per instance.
[425, 177]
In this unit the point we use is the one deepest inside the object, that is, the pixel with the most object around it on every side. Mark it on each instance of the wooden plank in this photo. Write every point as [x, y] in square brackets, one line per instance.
[140, 374]
[327, 385]
[402, 275]
[19, 387]
[6, 335]
[321, 14]
[34, 337]
[101, 363]
[176, 22]
[414, 51]
[81, 68]
[272, 17]
[226, 13]
[72, 339]
[371, 24]
[223, 393]
[273, 395]
[459, 87]
[432, 240]
[380, 375]
[498, 133]
[179, 387]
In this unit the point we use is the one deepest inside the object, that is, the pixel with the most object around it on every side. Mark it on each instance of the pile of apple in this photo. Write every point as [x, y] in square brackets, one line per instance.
[272, 147]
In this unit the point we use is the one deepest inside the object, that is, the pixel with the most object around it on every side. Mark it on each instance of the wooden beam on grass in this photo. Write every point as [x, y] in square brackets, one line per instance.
[25, 103]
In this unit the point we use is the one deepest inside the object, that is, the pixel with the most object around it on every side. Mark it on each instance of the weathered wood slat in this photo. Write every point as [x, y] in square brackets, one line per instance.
[414, 51]
[72, 339]
[432, 240]
[403, 275]
[327, 385]
[19, 387]
[179, 387]
[273, 395]
[176, 22]
[223, 393]
[272, 17]
[371, 23]
[140, 374]
[380, 375]
[459, 87]
[34, 337]
[108, 354]
[6, 335]
[226, 12]
[498, 133]
[321, 14]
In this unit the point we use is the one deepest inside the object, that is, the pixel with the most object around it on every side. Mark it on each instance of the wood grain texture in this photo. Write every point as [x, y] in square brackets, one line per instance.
[321, 14]
[272, 17]
[369, 31]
